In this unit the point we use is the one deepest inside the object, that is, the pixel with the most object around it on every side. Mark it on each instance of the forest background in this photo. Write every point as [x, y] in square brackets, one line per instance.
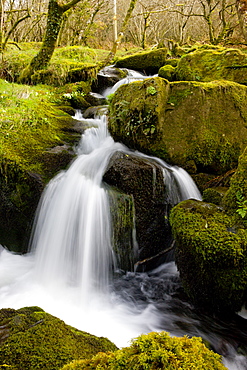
[152, 23]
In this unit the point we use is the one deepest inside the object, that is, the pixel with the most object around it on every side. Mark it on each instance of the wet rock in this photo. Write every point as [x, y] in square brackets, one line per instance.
[107, 77]
[144, 181]
[95, 99]
[183, 121]
[145, 61]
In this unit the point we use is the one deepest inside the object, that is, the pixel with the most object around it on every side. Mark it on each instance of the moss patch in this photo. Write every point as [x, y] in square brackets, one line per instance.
[148, 61]
[183, 121]
[210, 65]
[211, 247]
[155, 351]
[34, 339]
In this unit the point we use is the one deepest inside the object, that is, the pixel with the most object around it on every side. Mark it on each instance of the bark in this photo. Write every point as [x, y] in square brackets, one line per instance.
[241, 6]
[54, 22]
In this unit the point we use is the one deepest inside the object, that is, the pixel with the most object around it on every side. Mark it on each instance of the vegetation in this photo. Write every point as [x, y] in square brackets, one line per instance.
[30, 123]
[34, 339]
[182, 121]
[155, 351]
[213, 247]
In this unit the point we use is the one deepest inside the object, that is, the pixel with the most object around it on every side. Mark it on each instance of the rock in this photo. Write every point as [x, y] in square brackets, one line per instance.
[167, 72]
[212, 248]
[33, 339]
[107, 77]
[95, 99]
[144, 181]
[214, 195]
[210, 65]
[91, 112]
[146, 61]
[182, 121]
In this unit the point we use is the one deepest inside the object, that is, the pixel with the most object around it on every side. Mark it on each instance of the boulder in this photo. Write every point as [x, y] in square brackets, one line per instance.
[33, 339]
[145, 61]
[209, 65]
[107, 77]
[183, 122]
[144, 182]
[211, 256]
[235, 200]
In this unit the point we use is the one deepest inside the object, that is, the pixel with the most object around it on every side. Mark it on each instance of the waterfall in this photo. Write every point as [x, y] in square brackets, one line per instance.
[68, 271]
[73, 233]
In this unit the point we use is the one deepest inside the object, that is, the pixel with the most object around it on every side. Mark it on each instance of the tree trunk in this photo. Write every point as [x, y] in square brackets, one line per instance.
[241, 6]
[54, 21]
[120, 35]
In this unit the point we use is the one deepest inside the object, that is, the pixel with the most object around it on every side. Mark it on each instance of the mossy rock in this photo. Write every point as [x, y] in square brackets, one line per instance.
[211, 247]
[235, 200]
[214, 195]
[134, 176]
[167, 72]
[209, 65]
[155, 351]
[33, 339]
[146, 61]
[183, 121]
[172, 62]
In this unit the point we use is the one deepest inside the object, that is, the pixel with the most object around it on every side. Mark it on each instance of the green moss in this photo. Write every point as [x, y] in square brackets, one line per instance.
[212, 247]
[236, 196]
[36, 340]
[30, 123]
[167, 72]
[214, 195]
[68, 64]
[149, 61]
[155, 351]
[210, 65]
[183, 121]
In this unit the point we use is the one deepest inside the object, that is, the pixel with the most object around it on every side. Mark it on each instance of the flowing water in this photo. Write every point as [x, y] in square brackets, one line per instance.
[68, 271]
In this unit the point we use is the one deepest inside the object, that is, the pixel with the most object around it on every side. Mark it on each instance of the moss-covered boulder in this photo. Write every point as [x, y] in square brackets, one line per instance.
[235, 200]
[167, 72]
[211, 255]
[146, 61]
[33, 339]
[155, 351]
[183, 121]
[210, 65]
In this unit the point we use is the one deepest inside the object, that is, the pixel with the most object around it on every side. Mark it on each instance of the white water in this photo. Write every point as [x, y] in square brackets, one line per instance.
[68, 269]
[67, 272]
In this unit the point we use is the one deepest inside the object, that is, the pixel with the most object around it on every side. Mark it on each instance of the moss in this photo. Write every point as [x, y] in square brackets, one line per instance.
[155, 351]
[183, 121]
[214, 195]
[34, 339]
[167, 72]
[209, 65]
[122, 215]
[236, 196]
[149, 61]
[211, 247]
[68, 64]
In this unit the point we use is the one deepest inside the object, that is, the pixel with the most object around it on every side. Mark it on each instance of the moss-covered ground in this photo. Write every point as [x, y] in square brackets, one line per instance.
[30, 122]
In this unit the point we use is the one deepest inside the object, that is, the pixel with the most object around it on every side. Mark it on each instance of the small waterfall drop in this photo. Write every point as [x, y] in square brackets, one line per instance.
[72, 237]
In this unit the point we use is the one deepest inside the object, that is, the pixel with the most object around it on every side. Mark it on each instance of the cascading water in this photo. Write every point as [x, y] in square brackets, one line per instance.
[68, 271]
